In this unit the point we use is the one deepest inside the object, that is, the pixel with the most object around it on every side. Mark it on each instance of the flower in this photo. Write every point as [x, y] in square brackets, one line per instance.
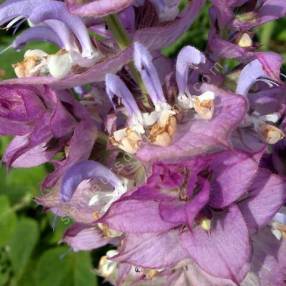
[161, 126]
[185, 210]
[62, 28]
[110, 63]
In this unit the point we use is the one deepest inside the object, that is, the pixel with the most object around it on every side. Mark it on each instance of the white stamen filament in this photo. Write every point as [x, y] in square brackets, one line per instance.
[202, 104]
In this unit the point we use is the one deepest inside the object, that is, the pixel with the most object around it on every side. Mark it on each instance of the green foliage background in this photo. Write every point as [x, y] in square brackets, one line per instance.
[30, 254]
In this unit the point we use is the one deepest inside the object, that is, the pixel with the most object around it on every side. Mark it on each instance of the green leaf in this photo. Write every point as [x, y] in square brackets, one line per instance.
[22, 244]
[7, 220]
[53, 267]
[57, 267]
[20, 182]
[82, 270]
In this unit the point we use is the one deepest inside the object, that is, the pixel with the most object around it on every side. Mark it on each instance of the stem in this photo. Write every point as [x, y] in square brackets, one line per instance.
[121, 36]
[118, 31]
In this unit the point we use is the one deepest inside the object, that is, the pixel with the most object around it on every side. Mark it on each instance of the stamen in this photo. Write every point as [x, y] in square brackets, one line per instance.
[205, 224]
[107, 267]
[127, 140]
[34, 64]
[270, 134]
[245, 41]
[204, 105]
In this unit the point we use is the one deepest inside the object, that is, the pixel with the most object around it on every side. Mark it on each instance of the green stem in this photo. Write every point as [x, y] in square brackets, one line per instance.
[118, 31]
[121, 36]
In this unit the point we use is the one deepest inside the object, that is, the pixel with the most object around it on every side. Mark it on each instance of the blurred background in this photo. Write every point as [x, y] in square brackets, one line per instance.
[30, 249]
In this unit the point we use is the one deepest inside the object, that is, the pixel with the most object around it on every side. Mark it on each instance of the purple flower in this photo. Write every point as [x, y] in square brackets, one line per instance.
[209, 113]
[188, 208]
[168, 33]
[51, 21]
[36, 117]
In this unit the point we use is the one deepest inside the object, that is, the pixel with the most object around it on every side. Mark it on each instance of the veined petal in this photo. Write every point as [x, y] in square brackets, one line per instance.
[248, 76]
[189, 57]
[40, 33]
[86, 170]
[99, 8]
[150, 77]
[57, 10]
[266, 65]
[268, 265]
[267, 195]
[121, 216]
[116, 87]
[63, 32]
[82, 237]
[231, 171]
[224, 251]
[156, 250]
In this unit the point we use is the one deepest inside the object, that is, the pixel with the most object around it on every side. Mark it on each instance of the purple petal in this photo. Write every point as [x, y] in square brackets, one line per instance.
[247, 140]
[187, 58]
[10, 127]
[38, 11]
[83, 237]
[20, 103]
[248, 76]
[150, 77]
[152, 250]
[80, 147]
[147, 219]
[272, 63]
[99, 8]
[116, 87]
[61, 122]
[224, 251]
[33, 157]
[196, 276]
[78, 208]
[268, 261]
[82, 171]
[38, 33]
[231, 171]
[171, 31]
[267, 195]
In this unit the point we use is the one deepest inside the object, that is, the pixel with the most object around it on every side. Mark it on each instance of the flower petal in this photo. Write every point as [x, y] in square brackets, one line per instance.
[82, 237]
[231, 171]
[135, 216]
[224, 251]
[143, 62]
[268, 265]
[99, 8]
[267, 195]
[82, 171]
[152, 250]
[116, 87]
[188, 57]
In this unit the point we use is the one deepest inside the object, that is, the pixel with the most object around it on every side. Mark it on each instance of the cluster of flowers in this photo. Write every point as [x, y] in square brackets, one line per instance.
[179, 166]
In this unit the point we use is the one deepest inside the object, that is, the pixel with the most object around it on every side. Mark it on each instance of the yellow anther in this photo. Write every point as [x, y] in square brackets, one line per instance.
[205, 224]
[245, 41]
